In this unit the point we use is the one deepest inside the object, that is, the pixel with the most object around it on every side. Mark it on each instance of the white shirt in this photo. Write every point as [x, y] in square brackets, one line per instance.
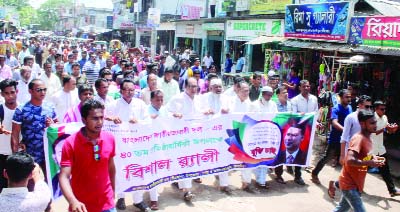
[63, 101]
[238, 106]
[136, 109]
[145, 95]
[183, 104]
[230, 92]
[207, 61]
[23, 95]
[214, 102]
[108, 101]
[20, 199]
[377, 140]
[53, 84]
[266, 106]
[5, 140]
[169, 89]
[301, 104]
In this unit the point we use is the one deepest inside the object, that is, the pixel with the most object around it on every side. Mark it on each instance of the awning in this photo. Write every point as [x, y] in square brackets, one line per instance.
[342, 47]
[265, 39]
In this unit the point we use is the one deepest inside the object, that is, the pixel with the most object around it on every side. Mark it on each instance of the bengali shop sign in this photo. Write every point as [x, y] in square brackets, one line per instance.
[375, 31]
[157, 152]
[324, 21]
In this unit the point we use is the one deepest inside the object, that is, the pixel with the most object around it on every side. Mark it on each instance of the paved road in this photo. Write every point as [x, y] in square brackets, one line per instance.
[289, 197]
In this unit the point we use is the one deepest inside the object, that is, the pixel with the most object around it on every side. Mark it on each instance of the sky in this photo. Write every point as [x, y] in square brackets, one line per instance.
[88, 3]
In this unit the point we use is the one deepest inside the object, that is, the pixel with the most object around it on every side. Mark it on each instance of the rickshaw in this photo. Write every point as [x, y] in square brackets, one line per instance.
[7, 45]
[101, 42]
[115, 44]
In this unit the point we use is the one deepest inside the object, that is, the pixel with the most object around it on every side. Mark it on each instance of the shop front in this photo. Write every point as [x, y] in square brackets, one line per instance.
[238, 32]
[215, 41]
[190, 36]
[165, 37]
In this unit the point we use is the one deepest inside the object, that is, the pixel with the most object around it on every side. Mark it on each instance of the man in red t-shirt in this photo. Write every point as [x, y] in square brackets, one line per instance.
[87, 156]
[357, 160]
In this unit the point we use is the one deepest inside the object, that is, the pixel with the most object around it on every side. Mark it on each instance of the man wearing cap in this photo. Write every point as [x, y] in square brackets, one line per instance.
[23, 53]
[264, 105]
[169, 86]
[273, 82]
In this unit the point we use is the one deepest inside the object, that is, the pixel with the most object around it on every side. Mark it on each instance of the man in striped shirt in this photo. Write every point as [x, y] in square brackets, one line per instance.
[91, 69]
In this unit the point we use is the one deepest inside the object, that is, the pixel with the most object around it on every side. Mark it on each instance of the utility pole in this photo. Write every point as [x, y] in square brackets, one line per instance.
[153, 39]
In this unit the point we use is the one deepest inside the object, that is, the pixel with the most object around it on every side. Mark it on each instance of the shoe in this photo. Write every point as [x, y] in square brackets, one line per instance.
[121, 204]
[142, 207]
[299, 181]
[175, 185]
[197, 180]
[373, 170]
[249, 189]
[396, 192]
[225, 189]
[289, 169]
[315, 179]
[280, 180]
[154, 205]
[188, 196]
[331, 189]
[263, 186]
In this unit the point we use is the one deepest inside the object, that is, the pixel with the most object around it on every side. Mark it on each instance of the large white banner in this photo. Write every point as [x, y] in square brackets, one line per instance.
[167, 150]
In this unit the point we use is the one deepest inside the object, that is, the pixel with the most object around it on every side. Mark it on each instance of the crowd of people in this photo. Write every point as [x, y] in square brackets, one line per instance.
[86, 83]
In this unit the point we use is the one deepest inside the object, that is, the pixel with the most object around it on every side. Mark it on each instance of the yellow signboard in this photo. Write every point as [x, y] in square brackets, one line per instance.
[268, 6]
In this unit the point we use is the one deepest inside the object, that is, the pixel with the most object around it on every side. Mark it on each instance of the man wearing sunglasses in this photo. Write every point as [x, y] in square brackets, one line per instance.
[378, 147]
[88, 156]
[351, 127]
[30, 120]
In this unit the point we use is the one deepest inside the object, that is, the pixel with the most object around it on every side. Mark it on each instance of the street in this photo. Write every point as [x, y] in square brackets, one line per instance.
[288, 197]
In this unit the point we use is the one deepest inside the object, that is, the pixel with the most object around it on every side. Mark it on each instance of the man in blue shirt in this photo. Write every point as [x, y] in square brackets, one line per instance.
[30, 120]
[228, 64]
[240, 64]
[339, 113]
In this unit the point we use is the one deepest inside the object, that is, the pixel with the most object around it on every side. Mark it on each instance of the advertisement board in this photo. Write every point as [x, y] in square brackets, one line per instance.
[324, 21]
[258, 7]
[375, 31]
[246, 30]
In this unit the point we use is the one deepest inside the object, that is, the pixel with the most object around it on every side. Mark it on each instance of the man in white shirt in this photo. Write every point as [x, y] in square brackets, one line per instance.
[379, 149]
[303, 103]
[23, 91]
[216, 103]
[185, 105]
[242, 104]
[208, 60]
[232, 91]
[151, 86]
[51, 81]
[23, 53]
[65, 98]
[102, 86]
[264, 105]
[9, 92]
[132, 110]
[169, 86]
[19, 168]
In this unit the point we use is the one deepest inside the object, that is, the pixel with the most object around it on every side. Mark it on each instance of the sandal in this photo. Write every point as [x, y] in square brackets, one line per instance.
[331, 189]
[154, 205]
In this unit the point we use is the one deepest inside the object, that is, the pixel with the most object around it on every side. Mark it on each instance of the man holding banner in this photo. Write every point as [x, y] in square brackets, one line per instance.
[88, 156]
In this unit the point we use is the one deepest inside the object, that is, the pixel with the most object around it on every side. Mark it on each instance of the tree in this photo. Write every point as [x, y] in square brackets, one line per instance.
[49, 13]
[25, 11]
